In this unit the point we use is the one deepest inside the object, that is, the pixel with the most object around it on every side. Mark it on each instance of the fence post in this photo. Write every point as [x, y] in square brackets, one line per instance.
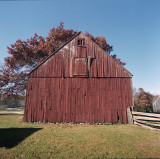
[130, 117]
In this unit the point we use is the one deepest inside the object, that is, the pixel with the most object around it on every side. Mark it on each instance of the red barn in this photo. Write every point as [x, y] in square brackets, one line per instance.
[79, 82]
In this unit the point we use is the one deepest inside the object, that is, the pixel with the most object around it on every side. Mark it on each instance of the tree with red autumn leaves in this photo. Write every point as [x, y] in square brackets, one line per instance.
[143, 101]
[25, 55]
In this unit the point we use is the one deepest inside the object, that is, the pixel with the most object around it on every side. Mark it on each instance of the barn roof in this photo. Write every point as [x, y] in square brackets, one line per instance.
[64, 46]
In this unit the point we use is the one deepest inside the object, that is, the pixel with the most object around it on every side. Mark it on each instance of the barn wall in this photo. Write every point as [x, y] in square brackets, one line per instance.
[62, 90]
[78, 99]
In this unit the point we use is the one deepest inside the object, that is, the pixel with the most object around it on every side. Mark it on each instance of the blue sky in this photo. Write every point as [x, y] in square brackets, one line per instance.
[131, 26]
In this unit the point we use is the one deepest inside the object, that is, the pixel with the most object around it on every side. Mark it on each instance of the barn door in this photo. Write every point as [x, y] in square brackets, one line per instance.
[80, 67]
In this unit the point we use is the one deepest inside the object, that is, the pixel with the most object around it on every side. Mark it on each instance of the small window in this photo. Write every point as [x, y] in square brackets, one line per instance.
[80, 42]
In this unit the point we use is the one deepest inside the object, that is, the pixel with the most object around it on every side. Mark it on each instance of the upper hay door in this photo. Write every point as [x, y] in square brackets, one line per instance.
[80, 67]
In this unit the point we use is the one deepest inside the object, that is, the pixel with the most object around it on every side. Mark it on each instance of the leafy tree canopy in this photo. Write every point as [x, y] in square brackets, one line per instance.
[25, 55]
[143, 100]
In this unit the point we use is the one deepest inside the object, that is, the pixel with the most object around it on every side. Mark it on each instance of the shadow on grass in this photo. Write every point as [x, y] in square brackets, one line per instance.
[10, 137]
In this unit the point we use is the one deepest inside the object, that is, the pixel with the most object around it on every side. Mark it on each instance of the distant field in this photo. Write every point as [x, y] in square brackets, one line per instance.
[31, 140]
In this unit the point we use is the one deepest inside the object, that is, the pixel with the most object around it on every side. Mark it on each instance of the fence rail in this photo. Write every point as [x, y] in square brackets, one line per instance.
[146, 114]
[147, 120]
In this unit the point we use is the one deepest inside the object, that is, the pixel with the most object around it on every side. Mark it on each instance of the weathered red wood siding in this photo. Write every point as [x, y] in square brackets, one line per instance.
[60, 89]
[62, 64]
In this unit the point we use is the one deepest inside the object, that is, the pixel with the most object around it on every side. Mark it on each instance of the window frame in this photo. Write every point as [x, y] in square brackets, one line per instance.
[80, 42]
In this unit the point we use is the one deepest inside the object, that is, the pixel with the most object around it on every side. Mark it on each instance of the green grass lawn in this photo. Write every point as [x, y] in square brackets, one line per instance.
[32, 140]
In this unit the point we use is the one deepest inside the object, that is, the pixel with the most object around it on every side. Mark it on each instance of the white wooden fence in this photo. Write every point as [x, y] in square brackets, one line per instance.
[147, 120]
